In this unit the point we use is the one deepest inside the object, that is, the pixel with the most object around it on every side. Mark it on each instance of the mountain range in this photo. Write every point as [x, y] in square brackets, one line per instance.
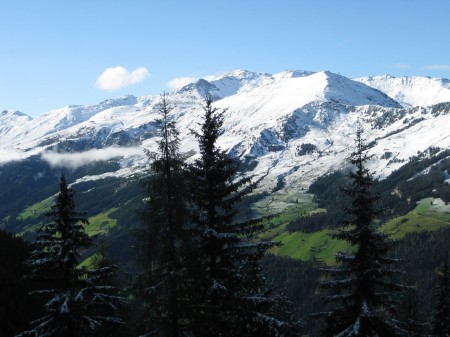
[292, 126]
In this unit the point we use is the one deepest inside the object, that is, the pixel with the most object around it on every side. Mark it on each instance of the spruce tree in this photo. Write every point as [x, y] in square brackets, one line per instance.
[75, 295]
[106, 274]
[164, 216]
[17, 307]
[360, 292]
[410, 314]
[441, 319]
[228, 294]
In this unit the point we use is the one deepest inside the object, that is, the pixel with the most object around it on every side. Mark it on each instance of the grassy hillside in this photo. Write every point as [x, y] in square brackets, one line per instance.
[310, 246]
[429, 215]
[297, 245]
[36, 210]
[35, 215]
[101, 223]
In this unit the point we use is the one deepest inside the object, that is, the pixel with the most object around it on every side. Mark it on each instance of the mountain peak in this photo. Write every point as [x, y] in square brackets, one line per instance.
[344, 90]
[11, 120]
[293, 74]
[323, 85]
[226, 84]
[411, 90]
[16, 113]
[237, 73]
[121, 101]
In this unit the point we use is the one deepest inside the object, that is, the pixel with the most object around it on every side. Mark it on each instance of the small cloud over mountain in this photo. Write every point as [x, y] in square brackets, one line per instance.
[119, 77]
[180, 82]
[78, 159]
[9, 155]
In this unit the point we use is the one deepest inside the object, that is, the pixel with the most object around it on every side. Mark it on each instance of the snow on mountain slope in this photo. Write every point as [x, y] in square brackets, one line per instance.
[411, 91]
[226, 84]
[351, 92]
[58, 119]
[289, 127]
[391, 145]
[11, 120]
[290, 106]
[231, 83]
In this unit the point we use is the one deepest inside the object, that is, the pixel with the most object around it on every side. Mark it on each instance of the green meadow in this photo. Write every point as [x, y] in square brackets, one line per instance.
[100, 223]
[37, 209]
[429, 215]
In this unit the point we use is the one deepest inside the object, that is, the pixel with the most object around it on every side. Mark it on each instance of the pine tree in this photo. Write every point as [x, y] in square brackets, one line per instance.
[17, 308]
[228, 294]
[164, 217]
[360, 289]
[441, 319]
[75, 295]
[410, 314]
[105, 274]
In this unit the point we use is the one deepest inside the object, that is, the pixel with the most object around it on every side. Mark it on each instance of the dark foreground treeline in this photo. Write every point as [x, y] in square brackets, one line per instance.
[422, 254]
[199, 272]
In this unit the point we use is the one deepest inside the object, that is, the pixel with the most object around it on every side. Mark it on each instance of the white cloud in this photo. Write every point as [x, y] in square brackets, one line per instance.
[438, 67]
[120, 77]
[8, 155]
[74, 160]
[216, 75]
[180, 82]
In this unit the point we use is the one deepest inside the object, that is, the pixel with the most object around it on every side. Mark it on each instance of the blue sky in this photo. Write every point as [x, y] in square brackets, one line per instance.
[60, 52]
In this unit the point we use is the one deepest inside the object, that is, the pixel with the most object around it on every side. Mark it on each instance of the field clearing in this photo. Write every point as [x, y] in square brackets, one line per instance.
[37, 209]
[100, 223]
[308, 246]
[429, 215]
[287, 206]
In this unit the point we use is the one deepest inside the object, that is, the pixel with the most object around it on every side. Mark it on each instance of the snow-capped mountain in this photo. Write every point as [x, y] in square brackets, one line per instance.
[413, 90]
[292, 126]
[11, 120]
